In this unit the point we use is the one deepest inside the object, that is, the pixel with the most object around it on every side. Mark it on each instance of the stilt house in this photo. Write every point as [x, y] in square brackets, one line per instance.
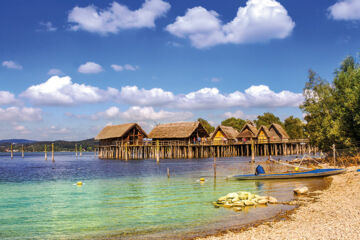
[263, 135]
[129, 133]
[179, 133]
[277, 133]
[224, 134]
[248, 132]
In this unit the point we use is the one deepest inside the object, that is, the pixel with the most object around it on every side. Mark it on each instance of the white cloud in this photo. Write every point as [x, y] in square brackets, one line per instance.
[239, 114]
[136, 114]
[11, 65]
[47, 26]
[90, 68]
[62, 91]
[20, 114]
[258, 21]
[153, 97]
[345, 10]
[117, 17]
[7, 98]
[55, 71]
[119, 68]
[215, 79]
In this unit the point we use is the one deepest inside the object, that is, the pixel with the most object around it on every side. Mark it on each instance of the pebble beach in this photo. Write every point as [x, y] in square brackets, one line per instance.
[333, 213]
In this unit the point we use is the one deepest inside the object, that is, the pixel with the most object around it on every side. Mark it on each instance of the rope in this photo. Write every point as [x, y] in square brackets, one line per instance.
[290, 165]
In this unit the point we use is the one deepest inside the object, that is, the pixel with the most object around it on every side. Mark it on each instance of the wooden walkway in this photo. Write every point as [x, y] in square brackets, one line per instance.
[163, 149]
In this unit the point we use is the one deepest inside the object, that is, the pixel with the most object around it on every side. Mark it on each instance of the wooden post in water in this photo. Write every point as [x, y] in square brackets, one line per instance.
[168, 172]
[252, 151]
[52, 152]
[76, 150]
[126, 152]
[157, 152]
[22, 150]
[12, 151]
[214, 165]
[45, 151]
[80, 150]
[334, 153]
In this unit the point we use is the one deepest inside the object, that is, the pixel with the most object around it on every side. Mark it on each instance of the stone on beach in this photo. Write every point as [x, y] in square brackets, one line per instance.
[243, 199]
[302, 190]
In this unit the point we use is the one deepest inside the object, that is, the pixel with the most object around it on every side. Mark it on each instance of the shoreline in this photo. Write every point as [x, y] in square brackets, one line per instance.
[319, 215]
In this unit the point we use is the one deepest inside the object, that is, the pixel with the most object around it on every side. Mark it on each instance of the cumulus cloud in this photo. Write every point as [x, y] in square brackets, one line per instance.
[345, 10]
[62, 91]
[55, 71]
[119, 68]
[239, 114]
[137, 113]
[12, 65]
[258, 21]
[153, 97]
[20, 114]
[7, 98]
[117, 17]
[90, 68]
[47, 27]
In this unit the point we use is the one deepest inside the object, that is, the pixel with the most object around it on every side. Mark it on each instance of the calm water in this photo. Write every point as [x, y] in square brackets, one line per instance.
[134, 199]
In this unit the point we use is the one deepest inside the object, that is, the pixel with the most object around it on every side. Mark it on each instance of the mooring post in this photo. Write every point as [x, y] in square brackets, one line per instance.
[157, 151]
[126, 152]
[252, 150]
[334, 153]
[52, 152]
[12, 151]
[76, 150]
[45, 151]
[22, 150]
[80, 150]
[168, 172]
[214, 166]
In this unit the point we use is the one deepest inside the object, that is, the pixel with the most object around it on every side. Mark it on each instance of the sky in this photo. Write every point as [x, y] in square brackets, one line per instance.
[69, 68]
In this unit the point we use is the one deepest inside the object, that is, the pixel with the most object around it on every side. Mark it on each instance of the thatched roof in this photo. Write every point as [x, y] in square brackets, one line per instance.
[249, 130]
[280, 130]
[177, 130]
[229, 132]
[118, 131]
[265, 130]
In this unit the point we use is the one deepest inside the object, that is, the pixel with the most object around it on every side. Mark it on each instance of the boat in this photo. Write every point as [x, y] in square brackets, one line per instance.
[304, 174]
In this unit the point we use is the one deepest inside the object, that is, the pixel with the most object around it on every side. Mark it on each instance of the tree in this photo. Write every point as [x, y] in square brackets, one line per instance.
[267, 119]
[206, 125]
[236, 123]
[294, 127]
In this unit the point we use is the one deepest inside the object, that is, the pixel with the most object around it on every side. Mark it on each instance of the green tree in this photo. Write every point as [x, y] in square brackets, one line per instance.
[294, 127]
[206, 125]
[236, 123]
[267, 119]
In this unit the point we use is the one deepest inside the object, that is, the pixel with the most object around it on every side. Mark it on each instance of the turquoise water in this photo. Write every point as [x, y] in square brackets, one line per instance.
[135, 199]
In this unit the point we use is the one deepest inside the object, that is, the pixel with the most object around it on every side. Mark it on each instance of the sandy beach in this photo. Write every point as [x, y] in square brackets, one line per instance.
[333, 213]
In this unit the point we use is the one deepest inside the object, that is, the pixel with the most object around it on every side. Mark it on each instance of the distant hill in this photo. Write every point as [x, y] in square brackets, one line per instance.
[38, 146]
[17, 141]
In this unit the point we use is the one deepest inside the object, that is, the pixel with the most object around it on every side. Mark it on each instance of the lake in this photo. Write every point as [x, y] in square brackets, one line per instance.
[127, 199]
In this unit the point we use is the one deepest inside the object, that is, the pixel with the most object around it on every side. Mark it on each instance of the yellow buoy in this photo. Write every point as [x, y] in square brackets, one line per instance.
[79, 183]
[297, 169]
[202, 179]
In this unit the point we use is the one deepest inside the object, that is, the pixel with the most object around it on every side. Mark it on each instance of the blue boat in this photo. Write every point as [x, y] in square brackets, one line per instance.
[306, 174]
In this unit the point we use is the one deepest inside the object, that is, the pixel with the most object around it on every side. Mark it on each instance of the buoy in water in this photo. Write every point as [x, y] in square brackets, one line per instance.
[202, 179]
[79, 183]
[296, 169]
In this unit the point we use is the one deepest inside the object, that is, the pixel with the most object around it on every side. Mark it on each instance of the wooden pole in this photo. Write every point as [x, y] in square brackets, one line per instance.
[76, 150]
[214, 166]
[168, 172]
[22, 150]
[80, 150]
[52, 152]
[157, 151]
[252, 150]
[126, 152]
[12, 151]
[334, 153]
[45, 150]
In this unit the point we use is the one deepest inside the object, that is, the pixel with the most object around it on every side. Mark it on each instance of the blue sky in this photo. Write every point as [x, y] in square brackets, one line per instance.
[71, 67]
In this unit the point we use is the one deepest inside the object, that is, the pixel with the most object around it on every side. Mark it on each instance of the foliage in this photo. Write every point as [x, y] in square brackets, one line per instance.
[294, 127]
[236, 123]
[333, 110]
[206, 125]
[267, 119]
